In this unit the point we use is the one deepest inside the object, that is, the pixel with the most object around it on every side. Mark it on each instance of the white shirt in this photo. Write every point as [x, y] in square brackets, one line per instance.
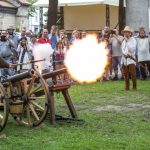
[116, 45]
[26, 58]
[128, 48]
[143, 49]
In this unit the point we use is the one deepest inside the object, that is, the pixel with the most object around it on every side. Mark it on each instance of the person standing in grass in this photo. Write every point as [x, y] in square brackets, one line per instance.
[129, 65]
[143, 52]
[116, 41]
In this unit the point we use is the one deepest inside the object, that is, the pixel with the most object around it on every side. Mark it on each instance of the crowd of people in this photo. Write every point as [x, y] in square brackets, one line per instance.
[128, 52]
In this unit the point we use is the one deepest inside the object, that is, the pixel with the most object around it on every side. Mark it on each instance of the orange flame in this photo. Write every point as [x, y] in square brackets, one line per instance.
[86, 60]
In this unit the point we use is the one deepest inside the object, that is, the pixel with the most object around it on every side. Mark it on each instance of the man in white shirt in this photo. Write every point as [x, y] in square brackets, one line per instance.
[143, 52]
[116, 41]
[129, 50]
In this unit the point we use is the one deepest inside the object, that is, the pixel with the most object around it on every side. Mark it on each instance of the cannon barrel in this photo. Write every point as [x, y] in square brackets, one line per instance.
[51, 74]
[54, 73]
[19, 77]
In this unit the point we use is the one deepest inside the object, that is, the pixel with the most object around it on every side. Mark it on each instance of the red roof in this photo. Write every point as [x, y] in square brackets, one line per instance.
[6, 4]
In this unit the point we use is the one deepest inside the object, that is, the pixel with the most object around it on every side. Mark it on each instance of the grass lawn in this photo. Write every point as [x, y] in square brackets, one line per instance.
[110, 119]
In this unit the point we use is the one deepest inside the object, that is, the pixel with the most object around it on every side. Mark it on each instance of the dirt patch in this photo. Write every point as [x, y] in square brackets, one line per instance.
[126, 107]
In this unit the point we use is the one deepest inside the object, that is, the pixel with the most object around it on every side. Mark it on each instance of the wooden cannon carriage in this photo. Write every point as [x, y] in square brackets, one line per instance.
[62, 88]
[28, 97]
[20, 97]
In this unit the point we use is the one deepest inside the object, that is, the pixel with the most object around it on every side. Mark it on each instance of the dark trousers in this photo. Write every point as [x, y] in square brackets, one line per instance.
[138, 73]
[143, 71]
[130, 71]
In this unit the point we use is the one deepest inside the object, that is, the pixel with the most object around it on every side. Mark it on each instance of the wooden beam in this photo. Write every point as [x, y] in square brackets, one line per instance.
[121, 15]
[107, 16]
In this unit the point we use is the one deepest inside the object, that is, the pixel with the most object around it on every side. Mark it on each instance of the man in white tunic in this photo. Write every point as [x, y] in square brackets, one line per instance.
[143, 52]
[129, 65]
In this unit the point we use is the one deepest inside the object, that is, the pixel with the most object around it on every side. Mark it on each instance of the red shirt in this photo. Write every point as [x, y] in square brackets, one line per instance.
[44, 41]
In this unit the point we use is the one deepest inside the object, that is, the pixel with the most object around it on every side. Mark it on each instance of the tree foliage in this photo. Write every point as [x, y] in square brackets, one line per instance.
[32, 9]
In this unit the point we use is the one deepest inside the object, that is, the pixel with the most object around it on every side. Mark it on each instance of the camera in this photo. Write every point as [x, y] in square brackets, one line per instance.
[113, 32]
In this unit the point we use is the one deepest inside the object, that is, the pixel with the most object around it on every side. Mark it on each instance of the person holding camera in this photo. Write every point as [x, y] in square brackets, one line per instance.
[6, 53]
[25, 55]
[12, 36]
[116, 41]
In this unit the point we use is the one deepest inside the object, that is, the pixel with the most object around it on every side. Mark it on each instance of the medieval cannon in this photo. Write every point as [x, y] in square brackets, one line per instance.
[56, 87]
[28, 97]
[20, 96]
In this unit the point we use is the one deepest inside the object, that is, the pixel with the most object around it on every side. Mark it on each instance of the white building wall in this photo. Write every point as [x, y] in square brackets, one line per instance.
[137, 14]
[90, 17]
[22, 19]
[6, 20]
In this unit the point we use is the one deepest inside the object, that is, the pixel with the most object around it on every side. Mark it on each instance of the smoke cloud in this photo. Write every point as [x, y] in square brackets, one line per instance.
[43, 51]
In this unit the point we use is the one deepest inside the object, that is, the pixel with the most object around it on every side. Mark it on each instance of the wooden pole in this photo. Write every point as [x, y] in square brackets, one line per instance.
[107, 16]
[121, 16]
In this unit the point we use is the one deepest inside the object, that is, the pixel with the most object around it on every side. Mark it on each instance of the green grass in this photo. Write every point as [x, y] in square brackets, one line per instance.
[96, 130]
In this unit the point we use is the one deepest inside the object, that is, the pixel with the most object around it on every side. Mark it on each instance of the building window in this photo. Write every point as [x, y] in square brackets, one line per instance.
[36, 17]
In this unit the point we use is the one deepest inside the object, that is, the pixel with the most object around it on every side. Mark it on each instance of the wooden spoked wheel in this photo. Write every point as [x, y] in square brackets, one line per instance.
[4, 108]
[36, 101]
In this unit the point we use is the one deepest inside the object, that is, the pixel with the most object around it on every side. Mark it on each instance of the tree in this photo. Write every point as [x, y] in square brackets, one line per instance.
[121, 16]
[52, 13]
[32, 9]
